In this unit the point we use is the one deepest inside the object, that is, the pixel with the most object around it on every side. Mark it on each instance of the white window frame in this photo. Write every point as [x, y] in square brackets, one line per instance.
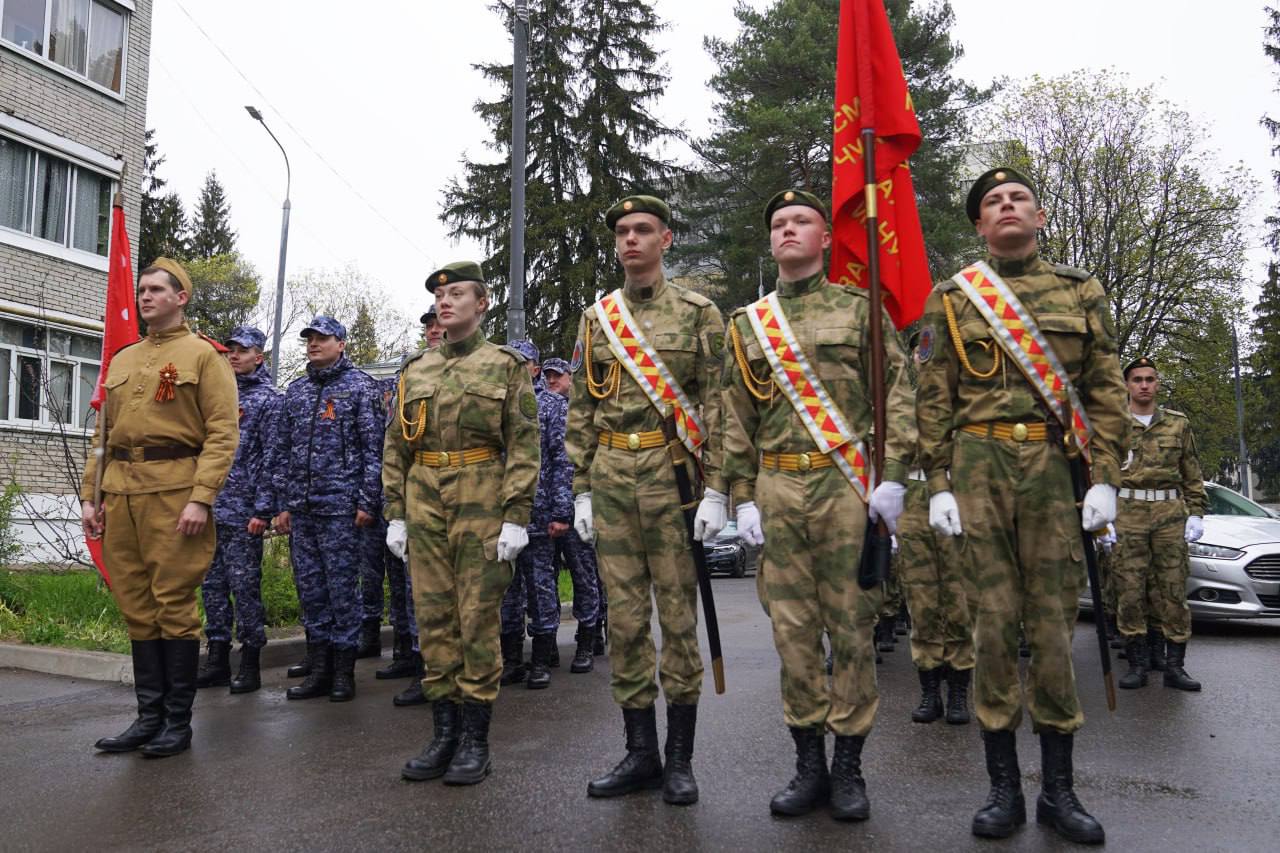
[125, 7]
[79, 424]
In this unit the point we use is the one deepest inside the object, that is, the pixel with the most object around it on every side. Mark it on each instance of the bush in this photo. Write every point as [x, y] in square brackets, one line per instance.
[10, 547]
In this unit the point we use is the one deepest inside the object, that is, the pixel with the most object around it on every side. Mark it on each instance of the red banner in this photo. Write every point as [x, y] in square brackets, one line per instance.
[871, 92]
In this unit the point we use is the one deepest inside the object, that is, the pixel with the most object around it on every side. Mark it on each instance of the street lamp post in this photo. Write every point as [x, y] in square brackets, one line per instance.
[276, 330]
[515, 277]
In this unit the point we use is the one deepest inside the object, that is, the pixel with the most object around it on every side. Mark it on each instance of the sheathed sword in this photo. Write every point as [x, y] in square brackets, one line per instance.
[688, 506]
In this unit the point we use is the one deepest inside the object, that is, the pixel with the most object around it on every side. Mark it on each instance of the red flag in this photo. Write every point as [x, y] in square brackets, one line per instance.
[871, 92]
[120, 328]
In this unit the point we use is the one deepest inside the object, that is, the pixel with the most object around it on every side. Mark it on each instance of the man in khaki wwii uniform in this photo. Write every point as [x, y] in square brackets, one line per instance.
[460, 468]
[625, 486]
[982, 419]
[172, 421]
[797, 499]
[1162, 504]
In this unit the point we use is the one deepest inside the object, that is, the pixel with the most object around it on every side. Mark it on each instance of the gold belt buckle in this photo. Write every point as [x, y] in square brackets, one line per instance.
[804, 463]
[1019, 432]
[633, 441]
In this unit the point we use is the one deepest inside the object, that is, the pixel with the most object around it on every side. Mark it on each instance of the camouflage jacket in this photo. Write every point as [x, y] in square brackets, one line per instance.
[1163, 456]
[469, 394]
[688, 332]
[830, 322]
[247, 492]
[1071, 309]
[554, 500]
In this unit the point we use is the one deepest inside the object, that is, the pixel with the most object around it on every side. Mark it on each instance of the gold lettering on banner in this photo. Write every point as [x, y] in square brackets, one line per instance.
[846, 114]
[850, 151]
[852, 273]
[888, 238]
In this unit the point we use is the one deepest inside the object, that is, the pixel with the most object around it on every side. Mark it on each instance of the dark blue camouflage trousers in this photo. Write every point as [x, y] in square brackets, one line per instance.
[533, 590]
[326, 555]
[589, 605]
[373, 568]
[401, 595]
[236, 571]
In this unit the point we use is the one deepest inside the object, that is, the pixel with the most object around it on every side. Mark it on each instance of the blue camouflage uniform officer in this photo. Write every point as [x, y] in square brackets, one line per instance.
[327, 477]
[241, 513]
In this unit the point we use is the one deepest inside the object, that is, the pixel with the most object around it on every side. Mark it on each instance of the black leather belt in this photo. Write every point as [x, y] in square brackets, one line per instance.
[155, 452]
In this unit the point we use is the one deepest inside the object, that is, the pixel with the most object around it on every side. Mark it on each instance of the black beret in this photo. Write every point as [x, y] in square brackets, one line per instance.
[638, 204]
[787, 198]
[1140, 361]
[990, 180]
[457, 271]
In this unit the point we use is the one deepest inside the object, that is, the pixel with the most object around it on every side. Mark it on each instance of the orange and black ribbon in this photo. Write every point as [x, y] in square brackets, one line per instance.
[168, 376]
[328, 414]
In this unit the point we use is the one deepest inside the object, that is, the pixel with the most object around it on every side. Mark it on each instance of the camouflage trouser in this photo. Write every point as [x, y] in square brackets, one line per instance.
[934, 584]
[533, 591]
[588, 594]
[373, 568]
[891, 604]
[236, 570]
[644, 554]
[814, 524]
[326, 555]
[1023, 553]
[1150, 569]
[1106, 576]
[454, 519]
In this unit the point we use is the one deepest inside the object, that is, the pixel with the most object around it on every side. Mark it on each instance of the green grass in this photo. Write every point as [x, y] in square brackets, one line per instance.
[564, 584]
[60, 609]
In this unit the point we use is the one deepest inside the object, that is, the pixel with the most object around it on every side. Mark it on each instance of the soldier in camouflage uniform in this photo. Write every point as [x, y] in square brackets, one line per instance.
[982, 421]
[327, 476]
[1162, 504]
[810, 518]
[460, 471]
[242, 512]
[623, 477]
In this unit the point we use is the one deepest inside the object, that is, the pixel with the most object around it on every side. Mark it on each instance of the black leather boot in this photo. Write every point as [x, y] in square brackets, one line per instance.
[811, 786]
[553, 653]
[402, 655]
[1113, 632]
[597, 644]
[848, 789]
[1005, 810]
[412, 695]
[319, 673]
[471, 763]
[930, 707]
[434, 759]
[885, 641]
[249, 677]
[343, 688]
[679, 788]
[641, 767]
[1058, 806]
[513, 670]
[148, 687]
[540, 662]
[1136, 654]
[1155, 650]
[958, 695]
[302, 668]
[370, 642]
[1174, 674]
[181, 661]
[216, 669]
[583, 660]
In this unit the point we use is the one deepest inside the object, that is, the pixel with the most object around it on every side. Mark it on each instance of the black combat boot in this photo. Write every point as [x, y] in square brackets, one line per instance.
[930, 707]
[148, 686]
[402, 656]
[471, 763]
[641, 767]
[319, 673]
[583, 660]
[1058, 806]
[343, 688]
[540, 662]
[1155, 648]
[1005, 810]
[1174, 674]
[413, 695]
[513, 669]
[434, 759]
[370, 642]
[597, 644]
[553, 652]
[811, 786]
[1113, 632]
[885, 641]
[216, 669]
[181, 661]
[302, 668]
[249, 678]
[678, 785]
[958, 695]
[848, 789]
[1136, 654]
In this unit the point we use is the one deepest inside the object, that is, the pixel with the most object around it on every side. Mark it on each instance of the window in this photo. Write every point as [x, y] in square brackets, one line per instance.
[86, 37]
[48, 375]
[52, 199]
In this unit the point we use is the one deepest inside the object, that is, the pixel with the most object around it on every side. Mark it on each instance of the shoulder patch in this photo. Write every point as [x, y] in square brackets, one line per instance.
[514, 353]
[575, 363]
[715, 341]
[924, 349]
[1174, 412]
[529, 405]
[1072, 272]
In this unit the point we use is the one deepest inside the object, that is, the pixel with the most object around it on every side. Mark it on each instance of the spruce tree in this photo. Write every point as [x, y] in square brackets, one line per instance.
[211, 232]
[362, 338]
[1264, 365]
[163, 227]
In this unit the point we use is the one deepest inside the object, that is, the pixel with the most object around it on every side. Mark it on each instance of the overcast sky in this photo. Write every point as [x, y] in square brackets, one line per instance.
[375, 110]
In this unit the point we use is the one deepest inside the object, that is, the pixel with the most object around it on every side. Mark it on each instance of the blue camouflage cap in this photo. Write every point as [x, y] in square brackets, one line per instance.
[322, 325]
[526, 349]
[556, 365]
[246, 336]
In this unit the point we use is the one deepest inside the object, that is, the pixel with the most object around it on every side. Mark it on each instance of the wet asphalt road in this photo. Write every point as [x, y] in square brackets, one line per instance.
[1168, 771]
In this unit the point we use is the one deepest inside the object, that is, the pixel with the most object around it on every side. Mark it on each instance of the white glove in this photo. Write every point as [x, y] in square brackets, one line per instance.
[398, 538]
[1107, 538]
[511, 541]
[713, 514]
[1099, 507]
[944, 514]
[749, 523]
[1194, 529]
[583, 520]
[886, 503]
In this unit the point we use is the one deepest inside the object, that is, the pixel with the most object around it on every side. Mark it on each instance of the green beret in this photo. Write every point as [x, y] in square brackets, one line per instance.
[1140, 361]
[456, 271]
[787, 198]
[989, 181]
[638, 204]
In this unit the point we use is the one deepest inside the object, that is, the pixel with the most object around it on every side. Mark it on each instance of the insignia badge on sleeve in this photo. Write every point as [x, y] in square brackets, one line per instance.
[924, 349]
[576, 361]
[529, 405]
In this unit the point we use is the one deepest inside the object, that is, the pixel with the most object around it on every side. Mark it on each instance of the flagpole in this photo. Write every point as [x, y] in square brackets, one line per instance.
[875, 328]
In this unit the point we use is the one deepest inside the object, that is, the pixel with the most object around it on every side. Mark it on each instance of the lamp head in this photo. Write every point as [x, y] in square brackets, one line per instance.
[253, 113]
